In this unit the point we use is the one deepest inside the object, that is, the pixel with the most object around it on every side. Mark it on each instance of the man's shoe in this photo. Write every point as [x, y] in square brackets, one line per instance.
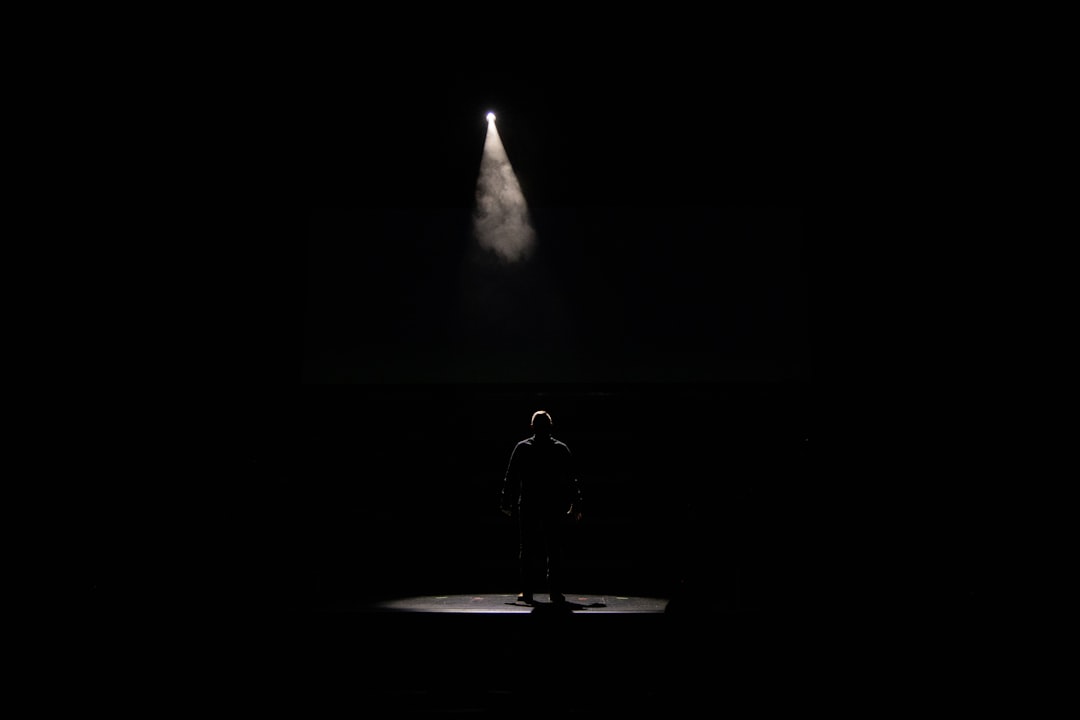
[525, 598]
[557, 598]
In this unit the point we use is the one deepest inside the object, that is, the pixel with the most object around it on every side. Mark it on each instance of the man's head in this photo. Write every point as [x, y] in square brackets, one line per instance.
[541, 422]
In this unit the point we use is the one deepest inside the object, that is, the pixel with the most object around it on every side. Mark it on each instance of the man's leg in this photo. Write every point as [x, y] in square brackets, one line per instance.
[528, 542]
[554, 551]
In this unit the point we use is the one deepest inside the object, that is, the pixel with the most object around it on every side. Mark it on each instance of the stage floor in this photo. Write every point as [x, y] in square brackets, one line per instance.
[508, 603]
[489, 653]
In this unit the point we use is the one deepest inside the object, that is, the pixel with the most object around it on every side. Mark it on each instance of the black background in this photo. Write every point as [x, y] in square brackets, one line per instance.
[362, 369]
[662, 319]
[320, 411]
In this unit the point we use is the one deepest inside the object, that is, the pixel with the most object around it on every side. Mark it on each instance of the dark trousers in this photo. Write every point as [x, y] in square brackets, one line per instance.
[541, 550]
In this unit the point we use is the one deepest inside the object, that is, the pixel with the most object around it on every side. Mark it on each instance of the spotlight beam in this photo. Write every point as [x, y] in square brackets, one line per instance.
[501, 218]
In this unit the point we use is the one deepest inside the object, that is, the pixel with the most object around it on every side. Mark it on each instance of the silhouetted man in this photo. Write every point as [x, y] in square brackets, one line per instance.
[541, 484]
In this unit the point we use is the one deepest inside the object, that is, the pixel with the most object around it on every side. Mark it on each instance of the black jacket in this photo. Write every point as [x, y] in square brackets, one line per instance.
[541, 478]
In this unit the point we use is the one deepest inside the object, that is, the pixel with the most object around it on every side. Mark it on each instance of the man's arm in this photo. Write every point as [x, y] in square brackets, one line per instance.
[576, 506]
[576, 496]
[506, 499]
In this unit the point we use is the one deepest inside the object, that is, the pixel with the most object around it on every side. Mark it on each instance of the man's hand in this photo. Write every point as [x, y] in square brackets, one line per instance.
[506, 512]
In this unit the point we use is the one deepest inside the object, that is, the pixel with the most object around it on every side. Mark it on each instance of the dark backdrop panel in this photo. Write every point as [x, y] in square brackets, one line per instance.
[381, 491]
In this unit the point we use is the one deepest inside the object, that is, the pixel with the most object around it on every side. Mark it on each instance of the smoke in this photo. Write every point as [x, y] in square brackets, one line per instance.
[501, 218]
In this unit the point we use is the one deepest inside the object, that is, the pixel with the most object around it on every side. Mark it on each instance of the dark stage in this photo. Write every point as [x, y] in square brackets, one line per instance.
[395, 491]
[306, 519]
[647, 286]
[467, 653]
[394, 574]
[330, 553]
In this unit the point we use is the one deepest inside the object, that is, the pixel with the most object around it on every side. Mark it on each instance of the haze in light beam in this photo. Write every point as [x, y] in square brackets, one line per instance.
[501, 217]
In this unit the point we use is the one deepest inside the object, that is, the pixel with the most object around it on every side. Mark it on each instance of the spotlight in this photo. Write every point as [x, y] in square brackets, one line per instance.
[491, 117]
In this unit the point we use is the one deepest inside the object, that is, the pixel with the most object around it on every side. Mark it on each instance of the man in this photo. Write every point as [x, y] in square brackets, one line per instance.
[541, 484]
